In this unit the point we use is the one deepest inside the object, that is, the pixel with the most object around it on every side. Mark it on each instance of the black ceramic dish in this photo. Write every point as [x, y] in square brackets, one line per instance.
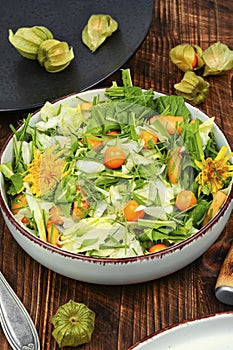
[27, 85]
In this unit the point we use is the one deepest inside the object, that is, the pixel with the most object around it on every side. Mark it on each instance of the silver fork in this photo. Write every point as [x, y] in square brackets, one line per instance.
[16, 323]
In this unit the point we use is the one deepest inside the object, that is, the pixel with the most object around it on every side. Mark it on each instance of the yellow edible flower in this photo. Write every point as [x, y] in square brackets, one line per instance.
[45, 171]
[214, 172]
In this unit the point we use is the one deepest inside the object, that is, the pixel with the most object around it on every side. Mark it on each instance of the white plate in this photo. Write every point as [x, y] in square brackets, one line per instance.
[214, 332]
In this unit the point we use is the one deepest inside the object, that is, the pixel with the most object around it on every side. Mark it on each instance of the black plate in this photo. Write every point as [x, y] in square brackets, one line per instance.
[24, 84]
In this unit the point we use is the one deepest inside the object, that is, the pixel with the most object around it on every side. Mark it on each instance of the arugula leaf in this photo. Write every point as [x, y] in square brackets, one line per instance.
[16, 184]
[192, 140]
[172, 105]
[66, 190]
[16, 179]
[199, 212]
[130, 93]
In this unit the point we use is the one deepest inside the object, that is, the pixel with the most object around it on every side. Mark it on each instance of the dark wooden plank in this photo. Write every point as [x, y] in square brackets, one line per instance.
[125, 314]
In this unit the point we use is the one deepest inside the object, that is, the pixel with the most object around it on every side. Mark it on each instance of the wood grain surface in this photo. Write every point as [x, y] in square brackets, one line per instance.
[126, 314]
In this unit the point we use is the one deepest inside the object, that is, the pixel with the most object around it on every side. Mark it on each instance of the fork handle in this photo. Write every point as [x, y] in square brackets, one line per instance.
[16, 323]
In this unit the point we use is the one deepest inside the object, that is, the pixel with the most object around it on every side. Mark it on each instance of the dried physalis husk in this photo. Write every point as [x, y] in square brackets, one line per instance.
[98, 28]
[218, 59]
[27, 40]
[73, 324]
[192, 88]
[55, 55]
[187, 57]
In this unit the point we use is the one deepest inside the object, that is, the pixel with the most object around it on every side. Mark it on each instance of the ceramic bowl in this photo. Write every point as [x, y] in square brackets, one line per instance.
[124, 270]
[209, 332]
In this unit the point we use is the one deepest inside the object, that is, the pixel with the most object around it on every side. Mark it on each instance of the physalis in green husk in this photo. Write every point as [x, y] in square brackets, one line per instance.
[73, 324]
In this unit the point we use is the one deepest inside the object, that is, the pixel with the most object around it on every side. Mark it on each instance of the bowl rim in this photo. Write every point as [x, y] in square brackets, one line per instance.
[77, 256]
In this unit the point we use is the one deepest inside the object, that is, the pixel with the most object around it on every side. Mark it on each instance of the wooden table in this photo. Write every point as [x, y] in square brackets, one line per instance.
[126, 314]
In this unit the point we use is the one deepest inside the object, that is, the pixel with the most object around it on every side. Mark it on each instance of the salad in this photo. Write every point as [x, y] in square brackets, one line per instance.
[124, 175]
